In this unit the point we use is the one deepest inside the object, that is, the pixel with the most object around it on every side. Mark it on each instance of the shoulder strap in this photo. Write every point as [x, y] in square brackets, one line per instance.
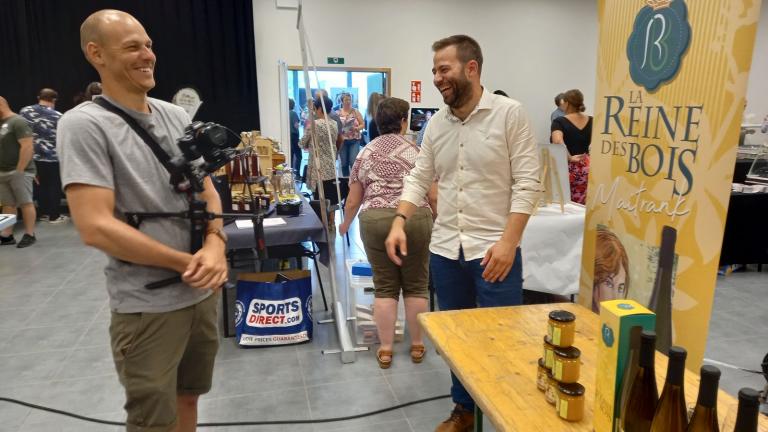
[158, 151]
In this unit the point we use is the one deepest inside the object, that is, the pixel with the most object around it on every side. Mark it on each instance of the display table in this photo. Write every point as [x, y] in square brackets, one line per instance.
[297, 229]
[7, 220]
[551, 249]
[494, 352]
[745, 240]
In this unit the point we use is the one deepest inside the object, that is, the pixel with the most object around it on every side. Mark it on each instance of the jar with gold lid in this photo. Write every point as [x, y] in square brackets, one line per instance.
[561, 328]
[549, 353]
[570, 401]
[541, 376]
[566, 364]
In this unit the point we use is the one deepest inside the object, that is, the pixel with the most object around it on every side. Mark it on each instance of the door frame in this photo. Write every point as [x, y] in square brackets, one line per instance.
[386, 71]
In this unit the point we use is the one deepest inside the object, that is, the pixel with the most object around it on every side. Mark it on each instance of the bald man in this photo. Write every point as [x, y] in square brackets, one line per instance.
[17, 172]
[164, 341]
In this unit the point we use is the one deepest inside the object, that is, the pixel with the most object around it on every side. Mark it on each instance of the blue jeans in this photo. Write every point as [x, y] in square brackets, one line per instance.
[348, 154]
[459, 285]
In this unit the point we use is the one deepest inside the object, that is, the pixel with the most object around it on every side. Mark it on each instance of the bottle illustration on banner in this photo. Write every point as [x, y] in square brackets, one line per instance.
[661, 297]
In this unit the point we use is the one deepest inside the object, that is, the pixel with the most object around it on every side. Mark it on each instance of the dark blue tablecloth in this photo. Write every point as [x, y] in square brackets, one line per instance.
[297, 229]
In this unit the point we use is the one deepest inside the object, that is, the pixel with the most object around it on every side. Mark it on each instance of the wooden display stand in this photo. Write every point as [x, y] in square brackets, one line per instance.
[551, 180]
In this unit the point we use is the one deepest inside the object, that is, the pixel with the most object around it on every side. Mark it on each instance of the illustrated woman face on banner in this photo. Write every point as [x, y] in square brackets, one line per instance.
[611, 269]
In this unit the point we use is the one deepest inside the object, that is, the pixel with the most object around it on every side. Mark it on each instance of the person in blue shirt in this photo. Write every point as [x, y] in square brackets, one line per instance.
[559, 112]
[43, 119]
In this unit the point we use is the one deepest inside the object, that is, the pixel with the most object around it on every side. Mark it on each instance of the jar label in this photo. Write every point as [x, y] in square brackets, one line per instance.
[562, 408]
[550, 329]
[558, 370]
[556, 335]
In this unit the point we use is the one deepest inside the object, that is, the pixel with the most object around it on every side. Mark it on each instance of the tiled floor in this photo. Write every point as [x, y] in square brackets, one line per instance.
[54, 351]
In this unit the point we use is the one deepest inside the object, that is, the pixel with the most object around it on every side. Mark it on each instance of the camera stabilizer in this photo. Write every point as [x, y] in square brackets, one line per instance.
[205, 147]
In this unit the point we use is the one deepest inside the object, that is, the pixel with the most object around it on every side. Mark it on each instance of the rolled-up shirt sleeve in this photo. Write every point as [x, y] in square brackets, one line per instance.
[417, 183]
[524, 162]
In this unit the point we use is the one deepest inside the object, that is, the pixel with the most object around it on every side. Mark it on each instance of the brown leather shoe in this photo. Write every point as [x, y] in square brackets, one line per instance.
[460, 420]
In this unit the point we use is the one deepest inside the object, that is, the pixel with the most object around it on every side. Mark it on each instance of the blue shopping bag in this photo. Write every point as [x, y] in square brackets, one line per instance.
[273, 308]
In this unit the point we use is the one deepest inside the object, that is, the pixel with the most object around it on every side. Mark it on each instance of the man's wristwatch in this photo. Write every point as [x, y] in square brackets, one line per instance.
[219, 232]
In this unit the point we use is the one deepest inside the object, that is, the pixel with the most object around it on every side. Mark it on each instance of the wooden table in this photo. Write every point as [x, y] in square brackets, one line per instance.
[495, 352]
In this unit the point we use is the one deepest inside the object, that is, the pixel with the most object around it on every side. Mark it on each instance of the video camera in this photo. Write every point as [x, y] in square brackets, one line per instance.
[205, 147]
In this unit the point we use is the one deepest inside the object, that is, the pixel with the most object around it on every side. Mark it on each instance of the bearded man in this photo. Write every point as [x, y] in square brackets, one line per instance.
[481, 148]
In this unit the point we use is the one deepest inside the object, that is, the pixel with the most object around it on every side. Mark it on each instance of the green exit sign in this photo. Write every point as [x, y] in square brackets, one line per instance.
[335, 60]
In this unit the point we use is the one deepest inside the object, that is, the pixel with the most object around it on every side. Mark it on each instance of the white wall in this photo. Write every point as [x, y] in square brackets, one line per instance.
[533, 49]
[757, 91]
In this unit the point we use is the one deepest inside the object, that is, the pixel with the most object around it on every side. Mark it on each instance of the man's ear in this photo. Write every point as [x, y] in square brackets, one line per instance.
[94, 53]
[472, 68]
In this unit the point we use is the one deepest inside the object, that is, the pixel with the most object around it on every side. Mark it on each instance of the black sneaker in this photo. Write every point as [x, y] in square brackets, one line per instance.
[7, 240]
[27, 240]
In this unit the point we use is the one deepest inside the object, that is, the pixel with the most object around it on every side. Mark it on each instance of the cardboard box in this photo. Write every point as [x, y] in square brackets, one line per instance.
[617, 317]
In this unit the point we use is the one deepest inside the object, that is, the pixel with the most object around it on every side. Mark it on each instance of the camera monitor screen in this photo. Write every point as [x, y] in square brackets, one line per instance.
[419, 117]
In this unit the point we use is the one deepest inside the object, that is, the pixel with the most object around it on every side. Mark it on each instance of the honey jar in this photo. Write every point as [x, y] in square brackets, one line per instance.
[551, 393]
[570, 401]
[561, 328]
[567, 364]
[549, 353]
[541, 376]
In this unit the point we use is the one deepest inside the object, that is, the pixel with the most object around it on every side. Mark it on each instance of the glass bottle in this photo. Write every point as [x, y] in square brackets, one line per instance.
[643, 394]
[671, 414]
[704, 417]
[747, 414]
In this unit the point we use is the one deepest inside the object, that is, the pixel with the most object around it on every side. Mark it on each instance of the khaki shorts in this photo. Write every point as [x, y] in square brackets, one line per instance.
[16, 189]
[388, 277]
[161, 355]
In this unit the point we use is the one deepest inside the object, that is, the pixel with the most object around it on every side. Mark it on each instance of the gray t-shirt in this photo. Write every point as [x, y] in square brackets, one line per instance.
[98, 148]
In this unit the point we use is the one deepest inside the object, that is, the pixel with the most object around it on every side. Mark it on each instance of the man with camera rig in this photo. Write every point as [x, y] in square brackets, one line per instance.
[164, 341]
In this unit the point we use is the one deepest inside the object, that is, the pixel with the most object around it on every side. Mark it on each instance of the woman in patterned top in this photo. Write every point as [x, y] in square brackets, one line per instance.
[375, 185]
[326, 152]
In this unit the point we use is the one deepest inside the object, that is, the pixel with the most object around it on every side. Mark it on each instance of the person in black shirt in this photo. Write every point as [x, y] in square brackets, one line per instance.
[574, 129]
[373, 104]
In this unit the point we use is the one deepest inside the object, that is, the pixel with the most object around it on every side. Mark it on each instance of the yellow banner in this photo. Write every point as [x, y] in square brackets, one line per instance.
[671, 80]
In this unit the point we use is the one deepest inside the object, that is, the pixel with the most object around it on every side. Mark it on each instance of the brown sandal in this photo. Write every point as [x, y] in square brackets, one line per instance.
[417, 353]
[384, 364]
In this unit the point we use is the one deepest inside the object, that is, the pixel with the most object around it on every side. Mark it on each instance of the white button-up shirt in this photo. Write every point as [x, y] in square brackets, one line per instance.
[487, 166]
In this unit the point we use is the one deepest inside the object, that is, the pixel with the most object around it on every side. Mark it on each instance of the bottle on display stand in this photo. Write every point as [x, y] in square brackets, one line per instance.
[746, 418]
[704, 417]
[643, 395]
[671, 414]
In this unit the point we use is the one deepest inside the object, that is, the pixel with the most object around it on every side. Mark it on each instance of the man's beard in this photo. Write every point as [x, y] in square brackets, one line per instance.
[462, 92]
